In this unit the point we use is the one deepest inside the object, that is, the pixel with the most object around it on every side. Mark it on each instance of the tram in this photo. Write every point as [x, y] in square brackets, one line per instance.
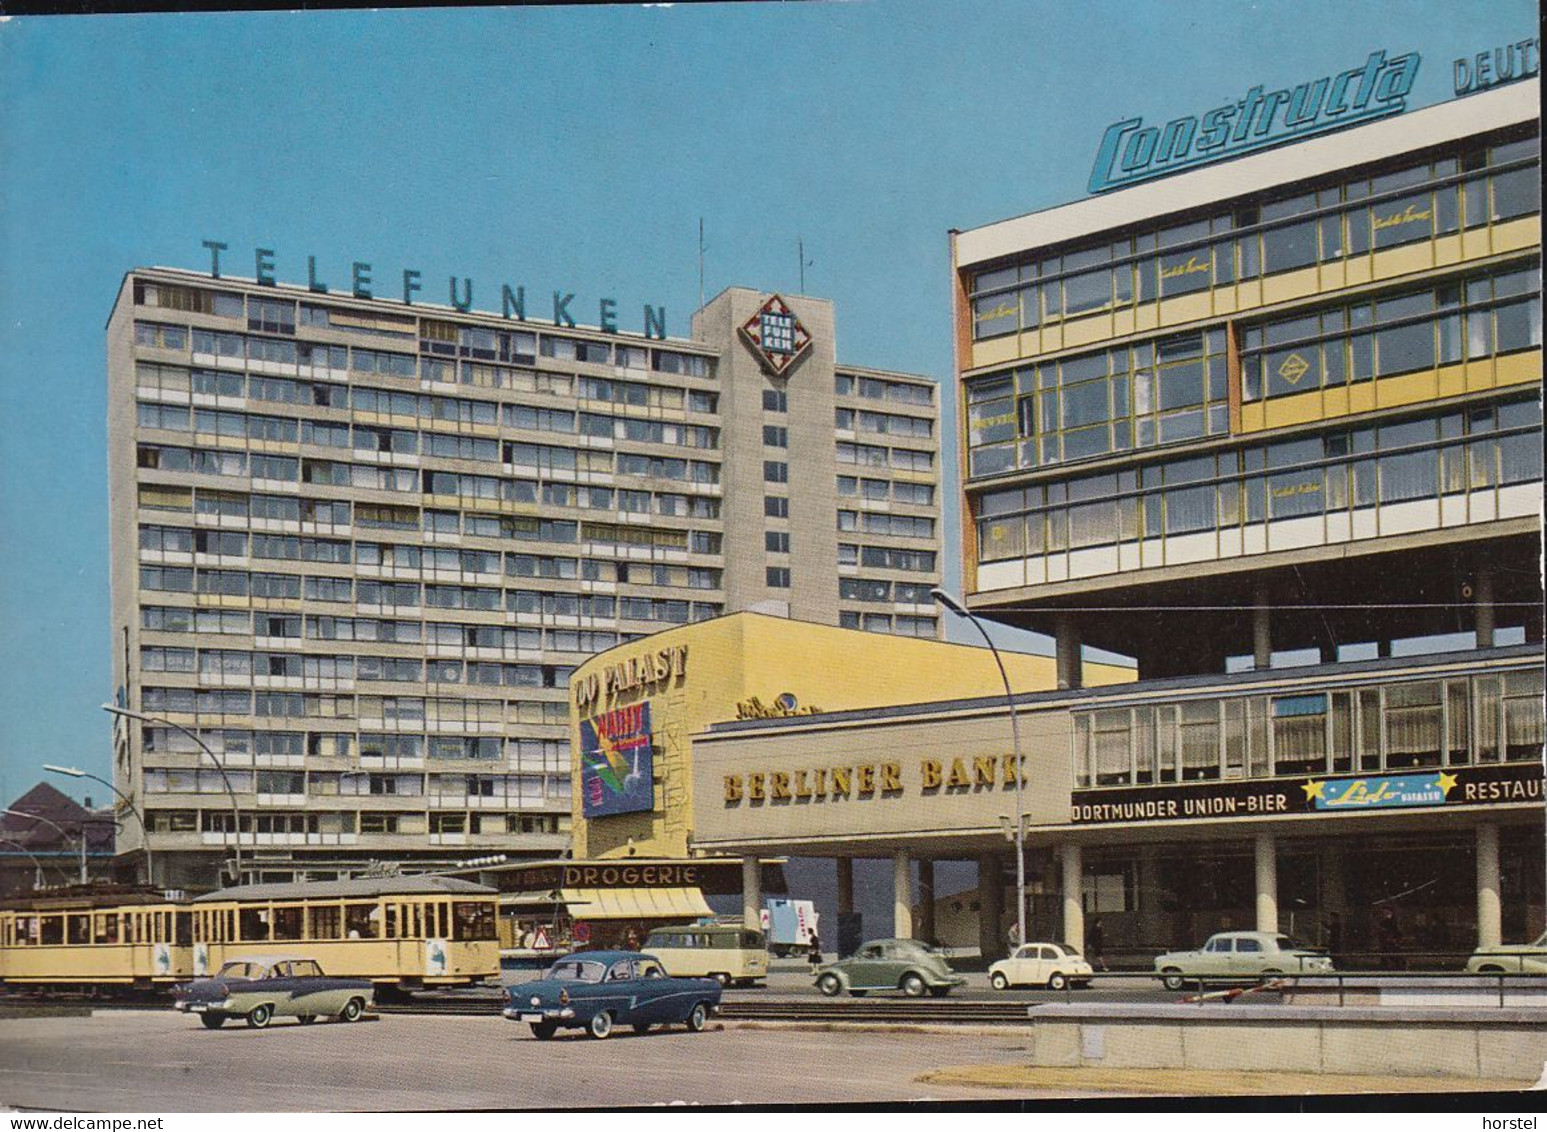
[403, 933]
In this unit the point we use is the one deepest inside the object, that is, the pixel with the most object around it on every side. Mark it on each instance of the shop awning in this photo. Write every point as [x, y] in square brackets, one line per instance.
[636, 903]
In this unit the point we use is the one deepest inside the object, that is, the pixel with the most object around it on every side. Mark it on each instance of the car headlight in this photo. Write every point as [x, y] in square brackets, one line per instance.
[536, 1001]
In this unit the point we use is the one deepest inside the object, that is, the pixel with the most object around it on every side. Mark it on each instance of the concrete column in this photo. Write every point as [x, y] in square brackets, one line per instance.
[752, 893]
[1067, 650]
[991, 942]
[1073, 889]
[902, 895]
[1482, 604]
[1262, 629]
[1267, 883]
[926, 900]
[845, 886]
[1490, 927]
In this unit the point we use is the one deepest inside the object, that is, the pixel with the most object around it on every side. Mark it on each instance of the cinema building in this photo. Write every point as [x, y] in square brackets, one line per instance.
[1271, 427]
[360, 545]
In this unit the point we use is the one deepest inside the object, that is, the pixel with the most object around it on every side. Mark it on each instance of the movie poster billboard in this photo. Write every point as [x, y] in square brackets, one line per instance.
[616, 767]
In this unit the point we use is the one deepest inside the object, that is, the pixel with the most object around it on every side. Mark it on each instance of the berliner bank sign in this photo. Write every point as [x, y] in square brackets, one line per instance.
[1131, 151]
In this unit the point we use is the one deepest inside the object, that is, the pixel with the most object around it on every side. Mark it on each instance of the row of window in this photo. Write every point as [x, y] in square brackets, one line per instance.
[1325, 225]
[1396, 727]
[1480, 317]
[417, 711]
[885, 523]
[516, 642]
[1174, 389]
[550, 756]
[180, 382]
[891, 558]
[436, 336]
[516, 788]
[890, 424]
[877, 491]
[218, 821]
[1424, 458]
[879, 389]
[876, 456]
[902, 625]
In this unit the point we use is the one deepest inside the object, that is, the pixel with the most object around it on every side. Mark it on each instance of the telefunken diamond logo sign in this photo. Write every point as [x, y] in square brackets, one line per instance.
[776, 336]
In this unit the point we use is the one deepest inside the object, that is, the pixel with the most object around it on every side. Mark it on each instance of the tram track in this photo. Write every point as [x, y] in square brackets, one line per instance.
[901, 1012]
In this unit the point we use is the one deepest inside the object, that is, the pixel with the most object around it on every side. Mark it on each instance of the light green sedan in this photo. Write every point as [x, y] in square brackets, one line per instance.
[1240, 957]
[259, 988]
[1524, 958]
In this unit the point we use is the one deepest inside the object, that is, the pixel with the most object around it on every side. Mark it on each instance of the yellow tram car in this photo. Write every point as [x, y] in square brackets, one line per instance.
[403, 932]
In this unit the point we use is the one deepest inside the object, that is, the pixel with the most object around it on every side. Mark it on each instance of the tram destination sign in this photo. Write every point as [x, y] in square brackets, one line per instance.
[1492, 784]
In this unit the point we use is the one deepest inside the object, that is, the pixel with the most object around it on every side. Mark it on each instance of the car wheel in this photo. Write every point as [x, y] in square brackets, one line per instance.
[1488, 969]
[998, 981]
[542, 1031]
[260, 1016]
[722, 978]
[600, 1027]
[212, 1021]
[829, 985]
[698, 1018]
[352, 1010]
[912, 985]
[641, 1027]
[306, 1019]
[939, 992]
[1172, 979]
[1057, 981]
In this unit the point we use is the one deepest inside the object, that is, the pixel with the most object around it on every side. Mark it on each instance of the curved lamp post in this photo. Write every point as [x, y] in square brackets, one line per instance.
[236, 810]
[956, 607]
[76, 772]
[37, 864]
[80, 834]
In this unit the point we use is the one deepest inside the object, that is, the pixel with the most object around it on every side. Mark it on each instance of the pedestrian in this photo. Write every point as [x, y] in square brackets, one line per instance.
[814, 953]
[1094, 939]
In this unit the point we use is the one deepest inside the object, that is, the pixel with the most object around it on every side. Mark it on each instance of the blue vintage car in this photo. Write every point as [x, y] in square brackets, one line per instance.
[597, 990]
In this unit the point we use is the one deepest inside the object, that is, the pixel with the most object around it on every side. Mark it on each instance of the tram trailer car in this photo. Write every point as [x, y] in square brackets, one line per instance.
[88, 938]
[404, 932]
[401, 933]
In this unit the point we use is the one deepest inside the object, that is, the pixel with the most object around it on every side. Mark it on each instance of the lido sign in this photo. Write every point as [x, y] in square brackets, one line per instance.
[1131, 152]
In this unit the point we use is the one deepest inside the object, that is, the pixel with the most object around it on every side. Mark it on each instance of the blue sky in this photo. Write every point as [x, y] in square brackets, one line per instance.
[572, 148]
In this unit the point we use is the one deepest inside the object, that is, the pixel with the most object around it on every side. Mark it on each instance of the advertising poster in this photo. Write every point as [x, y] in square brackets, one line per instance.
[616, 771]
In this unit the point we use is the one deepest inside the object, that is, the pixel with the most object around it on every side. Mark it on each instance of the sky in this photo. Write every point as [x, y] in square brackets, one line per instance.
[555, 148]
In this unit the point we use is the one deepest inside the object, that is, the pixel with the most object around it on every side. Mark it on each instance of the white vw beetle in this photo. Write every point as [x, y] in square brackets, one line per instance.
[1050, 965]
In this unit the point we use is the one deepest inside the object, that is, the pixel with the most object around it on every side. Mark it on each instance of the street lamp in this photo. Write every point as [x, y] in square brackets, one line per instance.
[236, 810]
[37, 864]
[80, 833]
[76, 772]
[956, 607]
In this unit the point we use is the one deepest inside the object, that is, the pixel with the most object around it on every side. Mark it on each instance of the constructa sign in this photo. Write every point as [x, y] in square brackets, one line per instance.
[1131, 151]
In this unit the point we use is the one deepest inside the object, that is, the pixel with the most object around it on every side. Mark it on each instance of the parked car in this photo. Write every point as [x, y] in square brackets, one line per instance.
[1240, 957]
[1050, 965]
[890, 964]
[260, 988]
[1527, 958]
[598, 990]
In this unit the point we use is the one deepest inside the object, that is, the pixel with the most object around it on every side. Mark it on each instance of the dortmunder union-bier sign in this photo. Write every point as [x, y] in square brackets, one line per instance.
[1333, 794]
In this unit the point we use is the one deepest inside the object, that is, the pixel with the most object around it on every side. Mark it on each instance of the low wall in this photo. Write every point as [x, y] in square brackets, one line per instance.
[1498, 1043]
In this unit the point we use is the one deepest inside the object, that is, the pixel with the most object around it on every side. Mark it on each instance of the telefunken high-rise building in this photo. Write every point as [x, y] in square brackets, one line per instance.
[359, 545]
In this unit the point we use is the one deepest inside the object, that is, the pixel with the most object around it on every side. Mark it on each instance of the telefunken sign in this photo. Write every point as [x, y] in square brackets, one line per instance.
[363, 284]
[1131, 151]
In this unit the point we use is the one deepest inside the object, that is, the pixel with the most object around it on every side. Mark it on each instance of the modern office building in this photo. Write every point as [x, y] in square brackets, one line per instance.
[1278, 408]
[360, 545]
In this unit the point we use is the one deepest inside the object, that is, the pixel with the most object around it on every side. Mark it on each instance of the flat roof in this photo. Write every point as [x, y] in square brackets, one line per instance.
[425, 884]
[1225, 683]
[1459, 118]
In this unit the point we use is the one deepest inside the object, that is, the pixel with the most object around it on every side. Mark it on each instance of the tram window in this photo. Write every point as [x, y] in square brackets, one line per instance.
[79, 928]
[287, 922]
[361, 921]
[473, 920]
[413, 921]
[183, 921]
[52, 930]
[325, 921]
[29, 930]
[107, 927]
[391, 920]
[252, 923]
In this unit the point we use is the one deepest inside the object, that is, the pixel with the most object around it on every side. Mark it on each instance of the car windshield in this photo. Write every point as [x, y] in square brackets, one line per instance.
[577, 971]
